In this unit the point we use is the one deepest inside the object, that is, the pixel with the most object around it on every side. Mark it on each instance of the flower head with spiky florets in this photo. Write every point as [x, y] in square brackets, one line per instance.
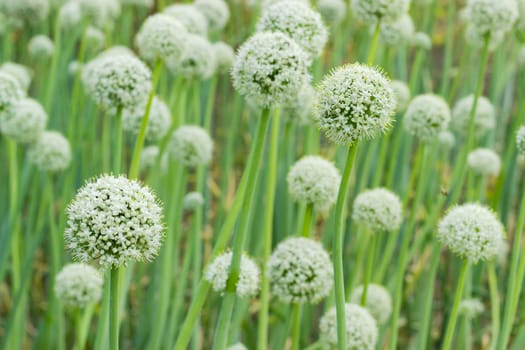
[446, 139]
[192, 200]
[10, 91]
[402, 93]
[314, 180]
[354, 102]
[40, 47]
[332, 11]
[24, 120]
[378, 209]
[398, 32]
[300, 271]
[218, 270]
[371, 11]
[99, 13]
[148, 158]
[378, 301]
[224, 57]
[491, 17]
[197, 60]
[216, 12]
[426, 116]
[270, 69]
[471, 307]
[29, 11]
[187, 14]
[112, 221]
[117, 81]
[161, 37]
[22, 74]
[158, 122]
[78, 285]
[51, 152]
[299, 22]
[484, 119]
[471, 231]
[484, 161]
[191, 145]
[361, 328]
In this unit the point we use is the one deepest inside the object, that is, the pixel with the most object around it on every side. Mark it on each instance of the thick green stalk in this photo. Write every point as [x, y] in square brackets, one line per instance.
[307, 223]
[368, 269]
[338, 248]
[296, 326]
[494, 305]
[271, 182]
[83, 319]
[449, 45]
[373, 43]
[114, 324]
[101, 339]
[453, 317]
[117, 154]
[139, 144]
[221, 338]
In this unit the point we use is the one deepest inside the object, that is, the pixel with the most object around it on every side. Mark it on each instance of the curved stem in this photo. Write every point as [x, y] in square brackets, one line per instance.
[338, 248]
[139, 144]
[271, 182]
[451, 324]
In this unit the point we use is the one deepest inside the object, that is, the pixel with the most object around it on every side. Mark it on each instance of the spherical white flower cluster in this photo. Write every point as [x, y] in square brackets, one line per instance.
[70, 15]
[446, 139]
[10, 91]
[426, 116]
[24, 120]
[187, 14]
[300, 271]
[30, 11]
[484, 161]
[484, 118]
[299, 22]
[520, 140]
[299, 110]
[191, 145]
[371, 11]
[402, 93]
[192, 201]
[112, 221]
[41, 47]
[117, 50]
[99, 13]
[148, 158]
[314, 180]
[471, 231]
[78, 285]
[224, 57]
[140, 3]
[216, 12]
[20, 73]
[378, 209]
[159, 119]
[161, 37]
[378, 301]
[421, 40]
[399, 32]
[117, 81]
[354, 102]
[503, 252]
[332, 11]
[270, 69]
[94, 38]
[361, 328]
[197, 60]
[51, 152]
[491, 17]
[471, 307]
[218, 270]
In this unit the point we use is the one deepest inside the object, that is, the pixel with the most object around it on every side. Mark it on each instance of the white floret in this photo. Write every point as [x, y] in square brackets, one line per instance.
[378, 209]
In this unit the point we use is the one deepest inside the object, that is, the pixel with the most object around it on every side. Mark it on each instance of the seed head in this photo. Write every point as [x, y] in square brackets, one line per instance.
[471, 231]
[354, 102]
[361, 328]
[426, 116]
[112, 221]
[378, 209]
[78, 285]
[218, 271]
[300, 271]
[314, 180]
